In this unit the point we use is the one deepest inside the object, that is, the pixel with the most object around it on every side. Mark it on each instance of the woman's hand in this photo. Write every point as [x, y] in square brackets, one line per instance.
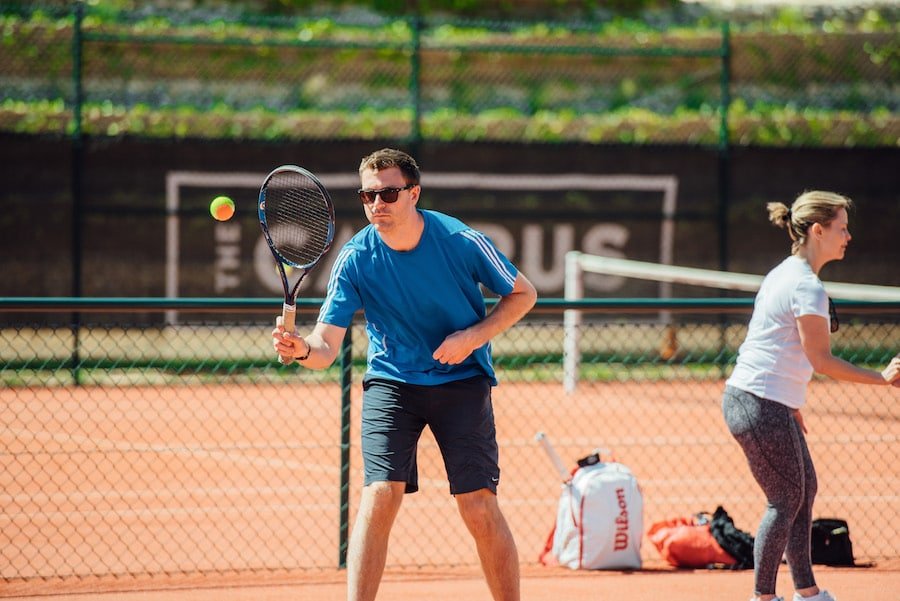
[891, 373]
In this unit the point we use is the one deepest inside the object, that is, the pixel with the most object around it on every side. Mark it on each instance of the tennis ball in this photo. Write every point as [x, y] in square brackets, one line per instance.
[221, 208]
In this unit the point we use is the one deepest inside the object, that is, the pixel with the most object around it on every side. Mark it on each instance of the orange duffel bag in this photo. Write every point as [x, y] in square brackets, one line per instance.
[688, 543]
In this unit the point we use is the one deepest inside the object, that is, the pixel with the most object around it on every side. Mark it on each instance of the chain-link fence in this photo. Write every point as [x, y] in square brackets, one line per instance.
[153, 73]
[153, 451]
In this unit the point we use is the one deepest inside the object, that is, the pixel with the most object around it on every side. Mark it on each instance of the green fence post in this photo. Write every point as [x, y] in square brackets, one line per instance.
[346, 383]
[724, 146]
[724, 162]
[415, 89]
[77, 167]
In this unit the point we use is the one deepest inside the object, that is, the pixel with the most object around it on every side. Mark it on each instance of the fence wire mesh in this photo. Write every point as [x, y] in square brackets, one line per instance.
[172, 74]
[135, 449]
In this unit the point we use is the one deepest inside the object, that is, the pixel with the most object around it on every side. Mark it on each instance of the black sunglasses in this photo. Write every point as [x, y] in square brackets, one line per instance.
[388, 195]
[832, 314]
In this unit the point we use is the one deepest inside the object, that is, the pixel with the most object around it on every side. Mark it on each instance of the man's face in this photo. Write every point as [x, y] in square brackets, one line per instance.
[389, 216]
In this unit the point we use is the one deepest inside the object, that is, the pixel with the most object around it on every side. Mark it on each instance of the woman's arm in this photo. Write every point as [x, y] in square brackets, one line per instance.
[816, 342]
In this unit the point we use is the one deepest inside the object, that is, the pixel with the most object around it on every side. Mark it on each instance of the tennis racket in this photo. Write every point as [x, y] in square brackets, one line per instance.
[554, 457]
[297, 220]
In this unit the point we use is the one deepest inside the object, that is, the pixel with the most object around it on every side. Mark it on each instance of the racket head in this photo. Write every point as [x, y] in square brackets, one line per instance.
[296, 215]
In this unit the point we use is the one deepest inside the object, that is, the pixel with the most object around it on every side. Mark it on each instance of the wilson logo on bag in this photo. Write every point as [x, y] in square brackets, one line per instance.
[599, 520]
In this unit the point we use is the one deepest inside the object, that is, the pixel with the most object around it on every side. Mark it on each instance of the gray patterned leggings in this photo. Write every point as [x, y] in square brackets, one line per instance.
[779, 460]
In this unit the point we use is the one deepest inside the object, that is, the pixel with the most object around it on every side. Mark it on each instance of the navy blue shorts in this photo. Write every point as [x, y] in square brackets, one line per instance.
[461, 419]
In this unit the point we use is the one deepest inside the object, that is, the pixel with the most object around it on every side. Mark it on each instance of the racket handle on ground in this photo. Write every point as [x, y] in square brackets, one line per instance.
[554, 457]
[288, 319]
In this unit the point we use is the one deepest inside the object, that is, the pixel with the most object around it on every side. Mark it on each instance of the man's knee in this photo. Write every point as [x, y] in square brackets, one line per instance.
[382, 496]
[384, 487]
[480, 511]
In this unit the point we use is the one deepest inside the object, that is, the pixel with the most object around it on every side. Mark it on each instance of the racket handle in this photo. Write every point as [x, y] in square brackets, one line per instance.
[288, 319]
[554, 457]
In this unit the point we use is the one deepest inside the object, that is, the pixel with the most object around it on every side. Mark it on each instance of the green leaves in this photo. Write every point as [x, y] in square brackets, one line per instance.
[616, 79]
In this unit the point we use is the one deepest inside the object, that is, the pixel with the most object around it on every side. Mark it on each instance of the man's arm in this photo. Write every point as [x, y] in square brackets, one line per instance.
[508, 310]
[323, 344]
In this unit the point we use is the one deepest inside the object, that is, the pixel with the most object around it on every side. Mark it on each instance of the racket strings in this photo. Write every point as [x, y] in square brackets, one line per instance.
[298, 218]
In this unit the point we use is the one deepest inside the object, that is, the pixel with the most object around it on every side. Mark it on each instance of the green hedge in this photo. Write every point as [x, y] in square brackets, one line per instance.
[619, 80]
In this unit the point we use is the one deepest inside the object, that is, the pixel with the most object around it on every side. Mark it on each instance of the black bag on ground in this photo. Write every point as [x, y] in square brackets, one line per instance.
[736, 542]
[831, 544]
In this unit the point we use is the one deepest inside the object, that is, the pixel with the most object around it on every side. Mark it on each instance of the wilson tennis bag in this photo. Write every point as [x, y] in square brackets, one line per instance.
[599, 519]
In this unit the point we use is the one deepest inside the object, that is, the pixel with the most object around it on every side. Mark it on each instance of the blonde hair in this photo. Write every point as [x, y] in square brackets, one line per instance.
[810, 207]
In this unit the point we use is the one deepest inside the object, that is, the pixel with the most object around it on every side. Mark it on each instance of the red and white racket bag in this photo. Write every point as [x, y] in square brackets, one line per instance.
[599, 521]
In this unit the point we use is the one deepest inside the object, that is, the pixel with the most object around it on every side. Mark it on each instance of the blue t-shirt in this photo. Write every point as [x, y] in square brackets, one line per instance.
[414, 299]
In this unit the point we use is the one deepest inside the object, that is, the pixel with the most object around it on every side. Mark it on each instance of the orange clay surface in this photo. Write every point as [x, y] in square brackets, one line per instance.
[646, 423]
[538, 584]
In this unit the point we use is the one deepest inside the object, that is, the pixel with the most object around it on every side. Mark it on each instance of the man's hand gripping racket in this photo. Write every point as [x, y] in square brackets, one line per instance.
[297, 220]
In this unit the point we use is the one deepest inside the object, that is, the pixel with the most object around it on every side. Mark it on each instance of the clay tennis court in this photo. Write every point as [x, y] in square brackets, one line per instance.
[173, 492]
[554, 584]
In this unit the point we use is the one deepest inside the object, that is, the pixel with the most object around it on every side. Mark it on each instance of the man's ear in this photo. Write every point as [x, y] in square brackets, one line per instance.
[415, 193]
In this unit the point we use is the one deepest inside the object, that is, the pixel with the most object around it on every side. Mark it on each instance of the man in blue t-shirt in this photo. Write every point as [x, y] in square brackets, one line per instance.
[416, 274]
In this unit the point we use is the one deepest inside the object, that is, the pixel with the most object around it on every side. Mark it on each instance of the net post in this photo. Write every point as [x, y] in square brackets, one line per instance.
[574, 290]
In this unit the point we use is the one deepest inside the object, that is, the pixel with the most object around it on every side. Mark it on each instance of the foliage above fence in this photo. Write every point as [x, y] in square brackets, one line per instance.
[158, 74]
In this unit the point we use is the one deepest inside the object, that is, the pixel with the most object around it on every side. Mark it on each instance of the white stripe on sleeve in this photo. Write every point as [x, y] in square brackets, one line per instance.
[490, 252]
[336, 270]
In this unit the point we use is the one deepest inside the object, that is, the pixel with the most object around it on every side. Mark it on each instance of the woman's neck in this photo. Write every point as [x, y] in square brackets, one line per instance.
[809, 254]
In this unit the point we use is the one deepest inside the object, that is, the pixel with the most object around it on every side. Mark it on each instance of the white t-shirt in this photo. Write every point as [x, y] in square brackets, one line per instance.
[771, 363]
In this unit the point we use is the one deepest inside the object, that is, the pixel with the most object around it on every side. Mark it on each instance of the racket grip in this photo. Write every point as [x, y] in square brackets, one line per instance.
[288, 319]
[554, 457]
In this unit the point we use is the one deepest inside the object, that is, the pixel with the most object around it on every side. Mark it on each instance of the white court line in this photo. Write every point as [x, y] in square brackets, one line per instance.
[167, 512]
[758, 499]
[42, 498]
[659, 441]
[730, 482]
[857, 498]
[616, 443]
[88, 444]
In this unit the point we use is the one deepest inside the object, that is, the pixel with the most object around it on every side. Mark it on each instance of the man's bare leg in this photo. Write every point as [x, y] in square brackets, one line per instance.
[367, 553]
[494, 541]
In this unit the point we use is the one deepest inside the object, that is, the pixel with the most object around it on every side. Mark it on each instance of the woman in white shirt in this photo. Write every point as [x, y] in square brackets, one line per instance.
[787, 340]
